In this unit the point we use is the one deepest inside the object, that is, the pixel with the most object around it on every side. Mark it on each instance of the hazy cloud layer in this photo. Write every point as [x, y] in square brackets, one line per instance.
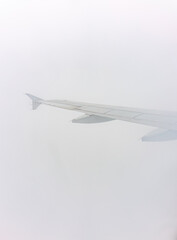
[64, 181]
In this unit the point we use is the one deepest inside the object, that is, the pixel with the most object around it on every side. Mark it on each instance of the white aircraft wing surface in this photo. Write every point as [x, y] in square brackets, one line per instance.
[96, 113]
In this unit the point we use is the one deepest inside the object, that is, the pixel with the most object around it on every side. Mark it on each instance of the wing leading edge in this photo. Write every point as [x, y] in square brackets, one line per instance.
[96, 113]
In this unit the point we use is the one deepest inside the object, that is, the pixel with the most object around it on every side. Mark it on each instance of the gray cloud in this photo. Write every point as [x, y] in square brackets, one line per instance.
[64, 181]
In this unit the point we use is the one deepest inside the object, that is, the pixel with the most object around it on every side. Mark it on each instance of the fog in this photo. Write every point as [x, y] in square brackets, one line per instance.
[67, 181]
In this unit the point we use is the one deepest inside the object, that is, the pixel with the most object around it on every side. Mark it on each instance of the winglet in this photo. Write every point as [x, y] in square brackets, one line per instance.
[35, 101]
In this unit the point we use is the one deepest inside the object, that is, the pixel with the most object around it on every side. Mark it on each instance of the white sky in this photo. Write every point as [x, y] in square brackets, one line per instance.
[64, 181]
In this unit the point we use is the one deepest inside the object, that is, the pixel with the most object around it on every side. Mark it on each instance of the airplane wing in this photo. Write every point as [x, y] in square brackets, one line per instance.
[96, 113]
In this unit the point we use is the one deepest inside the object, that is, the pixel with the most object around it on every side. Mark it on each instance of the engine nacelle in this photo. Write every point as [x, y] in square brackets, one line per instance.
[160, 135]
